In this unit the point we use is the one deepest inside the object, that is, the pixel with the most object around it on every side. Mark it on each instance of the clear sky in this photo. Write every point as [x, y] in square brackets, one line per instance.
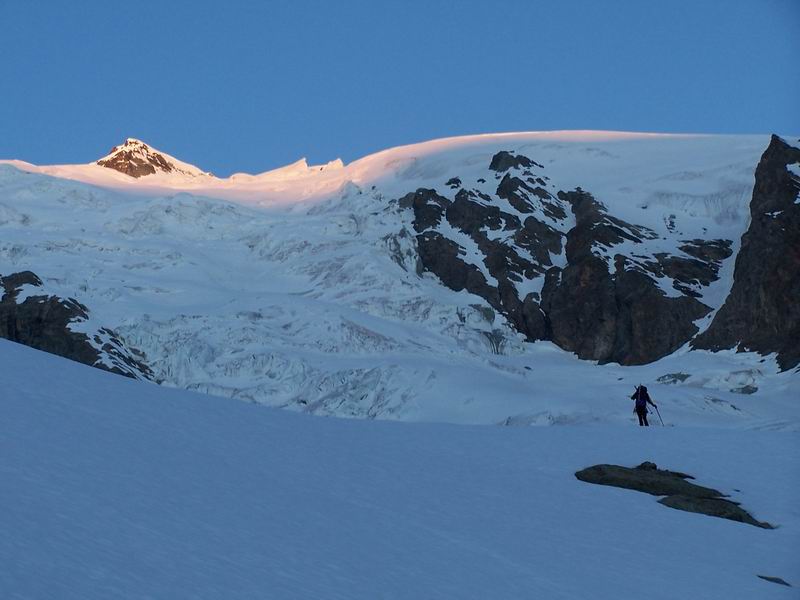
[248, 86]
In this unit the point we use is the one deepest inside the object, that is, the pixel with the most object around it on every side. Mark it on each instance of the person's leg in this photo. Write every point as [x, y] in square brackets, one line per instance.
[644, 418]
[641, 422]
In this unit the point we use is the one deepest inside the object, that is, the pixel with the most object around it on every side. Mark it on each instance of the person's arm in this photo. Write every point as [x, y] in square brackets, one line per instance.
[653, 404]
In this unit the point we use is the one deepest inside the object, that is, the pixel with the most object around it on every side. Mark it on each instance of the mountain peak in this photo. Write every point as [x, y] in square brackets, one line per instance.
[137, 159]
[134, 142]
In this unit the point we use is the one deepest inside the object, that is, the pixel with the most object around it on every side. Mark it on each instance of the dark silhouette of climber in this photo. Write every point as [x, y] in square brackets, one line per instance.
[640, 408]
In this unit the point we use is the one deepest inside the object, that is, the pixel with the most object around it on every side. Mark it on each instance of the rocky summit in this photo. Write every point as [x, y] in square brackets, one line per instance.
[137, 159]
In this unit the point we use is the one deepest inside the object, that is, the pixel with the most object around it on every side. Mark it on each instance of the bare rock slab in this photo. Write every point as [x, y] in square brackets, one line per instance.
[777, 580]
[677, 491]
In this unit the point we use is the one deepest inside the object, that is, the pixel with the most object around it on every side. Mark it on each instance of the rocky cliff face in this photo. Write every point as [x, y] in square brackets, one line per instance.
[620, 314]
[561, 268]
[762, 311]
[42, 322]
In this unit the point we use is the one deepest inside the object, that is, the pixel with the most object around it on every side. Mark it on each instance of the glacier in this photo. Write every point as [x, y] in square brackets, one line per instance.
[298, 288]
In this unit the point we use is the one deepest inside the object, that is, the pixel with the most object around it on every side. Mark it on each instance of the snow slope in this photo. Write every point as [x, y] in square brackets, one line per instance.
[120, 489]
[297, 287]
[697, 167]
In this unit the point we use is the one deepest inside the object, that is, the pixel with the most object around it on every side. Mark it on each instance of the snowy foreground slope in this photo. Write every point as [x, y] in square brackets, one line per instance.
[114, 488]
[299, 287]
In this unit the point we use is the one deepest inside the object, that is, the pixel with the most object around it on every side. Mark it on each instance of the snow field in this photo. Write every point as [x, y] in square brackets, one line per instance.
[115, 488]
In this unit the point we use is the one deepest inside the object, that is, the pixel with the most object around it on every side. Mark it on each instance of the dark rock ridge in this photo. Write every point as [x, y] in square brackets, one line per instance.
[520, 194]
[547, 261]
[678, 493]
[762, 311]
[516, 248]
[42, 322]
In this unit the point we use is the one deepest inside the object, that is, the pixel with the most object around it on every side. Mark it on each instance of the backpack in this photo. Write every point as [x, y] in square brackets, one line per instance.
[641, 399]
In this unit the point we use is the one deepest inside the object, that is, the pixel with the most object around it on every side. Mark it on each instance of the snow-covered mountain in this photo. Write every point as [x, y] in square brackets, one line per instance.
[466, 279]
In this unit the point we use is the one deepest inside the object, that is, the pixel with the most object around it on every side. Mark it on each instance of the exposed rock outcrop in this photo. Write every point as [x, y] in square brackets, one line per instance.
[42, 321]
[525, 197]
[691, 274]
[513, 251]
[621, 316]
[762, 311]
[504, 160]
[678, 493]
[772, 579]
[137, 159]
[560, 277]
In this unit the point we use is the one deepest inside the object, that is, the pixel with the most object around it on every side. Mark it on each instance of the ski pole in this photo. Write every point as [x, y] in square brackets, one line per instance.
[659, 417]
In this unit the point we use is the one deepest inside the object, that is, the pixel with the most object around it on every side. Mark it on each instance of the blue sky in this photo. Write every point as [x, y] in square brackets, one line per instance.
[249, 86]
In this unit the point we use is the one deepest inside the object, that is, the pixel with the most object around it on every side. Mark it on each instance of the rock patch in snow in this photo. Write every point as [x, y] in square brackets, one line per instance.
[43, 321]
[673, 378]
[777, 580]
[678, 493]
